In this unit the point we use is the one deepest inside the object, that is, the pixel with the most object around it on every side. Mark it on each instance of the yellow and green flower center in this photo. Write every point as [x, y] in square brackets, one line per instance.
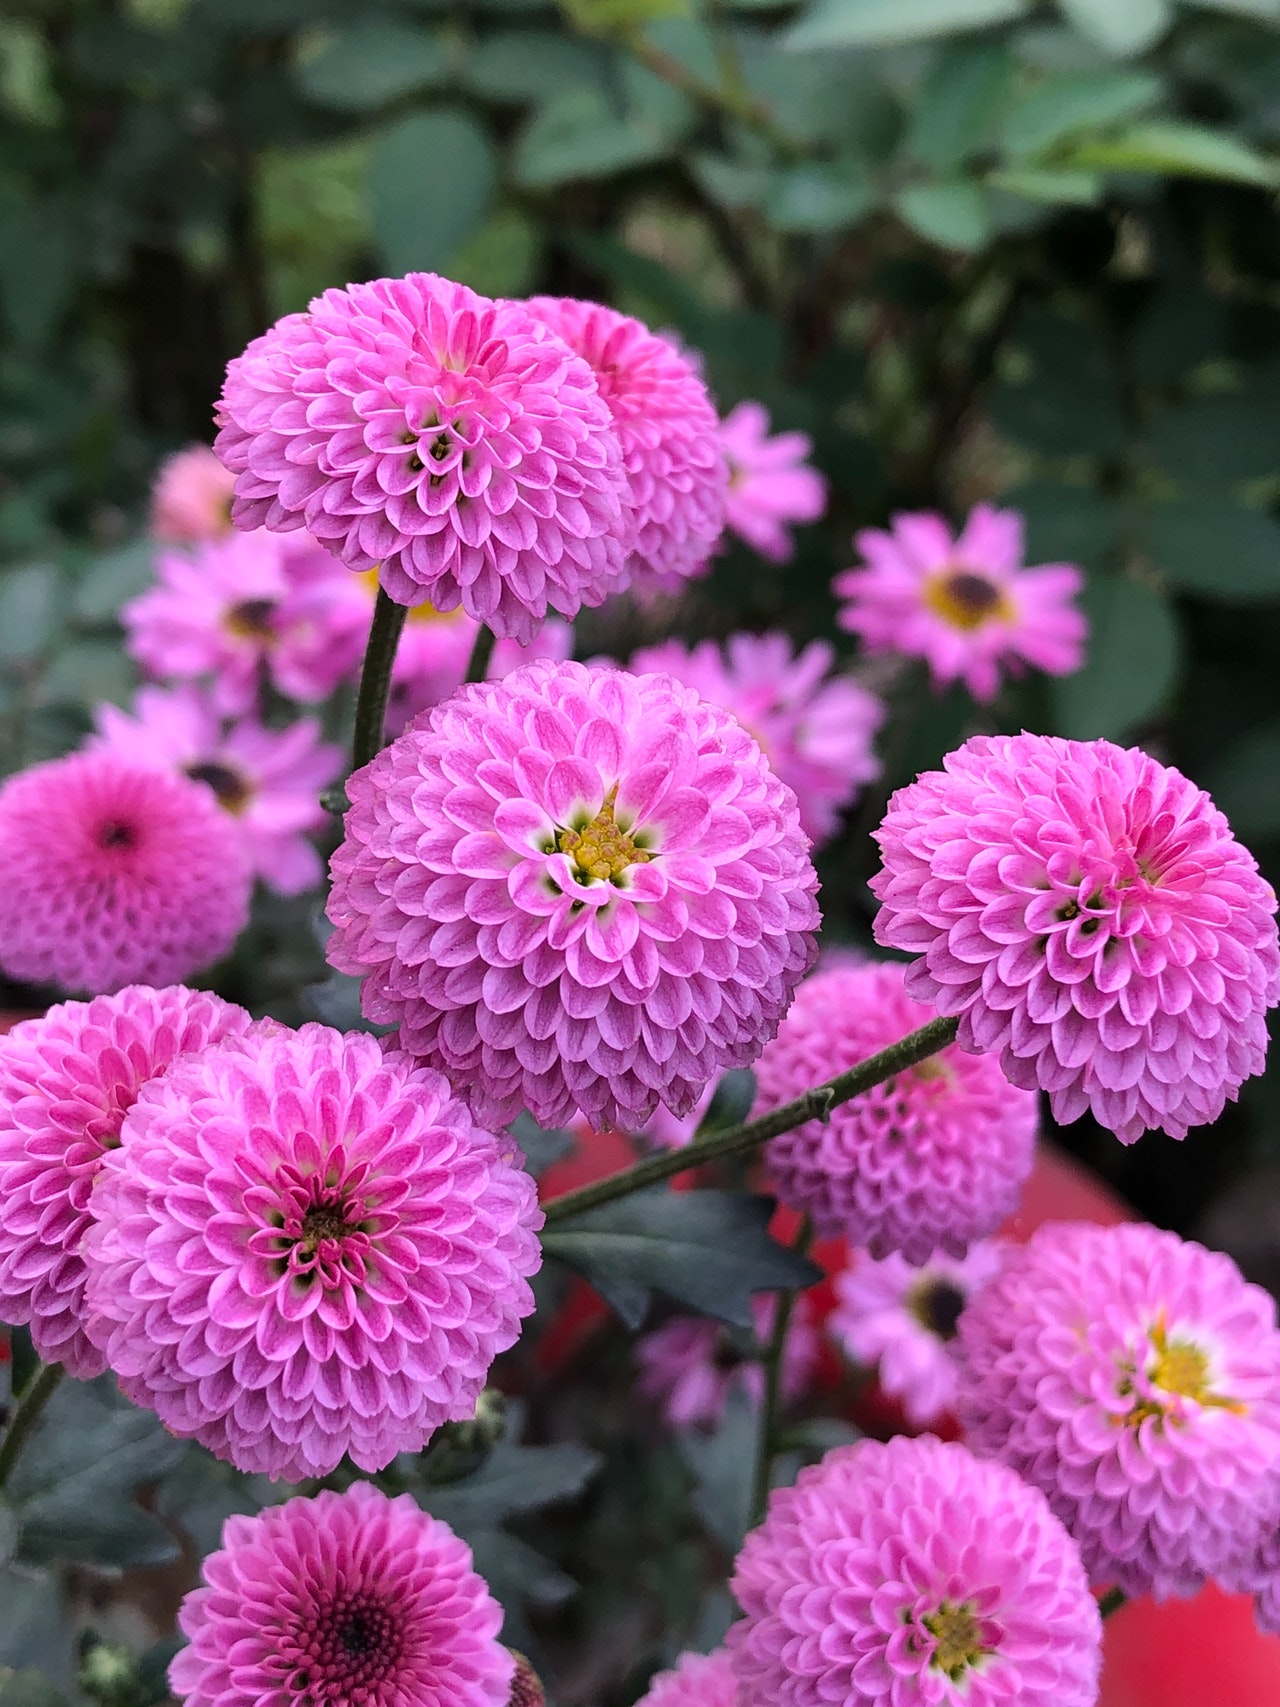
[1181, 1370]
[959, 1639]
[966, 599]
[601, 850]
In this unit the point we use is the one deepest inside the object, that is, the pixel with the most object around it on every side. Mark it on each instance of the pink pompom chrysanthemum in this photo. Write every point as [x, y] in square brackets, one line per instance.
[1134, 1377]
[305, 1247]
[267, 780]
[816, 731]
[191, 498]
[966, 606]
[1092, 920]
[576, 891]
[903, 1320]
[351, 1600]
[668, 430]
[932, 1159]
[696, 1680]
[770, 483]
[690, 1366]
[912, 1574]
[67, 1080]
[115, 873]
[447, 440]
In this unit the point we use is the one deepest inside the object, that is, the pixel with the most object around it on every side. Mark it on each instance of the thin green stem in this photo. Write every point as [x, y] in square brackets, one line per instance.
[481, 654]
[1112, 1601]
[737, 1140]
[772, 1363]
[375, 679]
[26, 1413]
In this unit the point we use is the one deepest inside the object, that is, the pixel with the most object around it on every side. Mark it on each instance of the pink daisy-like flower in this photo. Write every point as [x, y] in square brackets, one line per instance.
[67, 1080]
[115, 873]
[933, 1159]
[191, 498]
[576, 891]
[305, 1247]
[689, 1366]
[904, 1320]
[351, 1599]
[696, 1680]
[1134, 1377]
[267, 780]
[912, 1575]
[1092, 920]
[449, 441]
[770, 483]
[676, 472]
[966, 606]
[816, 732]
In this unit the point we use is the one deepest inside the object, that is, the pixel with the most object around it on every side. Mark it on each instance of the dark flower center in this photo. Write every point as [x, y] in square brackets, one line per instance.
[965, 599]
[252, 619]
[229, 786]
[324, 1221]
[936, 1306]
[115, 833]
[346, 1656]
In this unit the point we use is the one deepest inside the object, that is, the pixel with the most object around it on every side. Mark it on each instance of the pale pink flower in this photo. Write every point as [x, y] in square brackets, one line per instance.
[770, 482]
[696, 1680]
[690, 1366]
[191, 498]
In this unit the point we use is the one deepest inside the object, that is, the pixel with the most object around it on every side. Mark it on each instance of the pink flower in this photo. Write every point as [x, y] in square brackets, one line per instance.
[267, 780]
[1259, 1576]
[115, 874]
[769, 481]
[67, 1080]
[815, 732]
[435, 651]
[689, 1366]
[303, 1248]
[934, 1158]
[1135, 1378]
[576, 891]
[904, 1319]
[1089, 915]
[966, 606]
[698, 1680]
[912, 1575]
[349, 1598]
[671, 1133]
[191, 499]
[667, 426]
[450, 441]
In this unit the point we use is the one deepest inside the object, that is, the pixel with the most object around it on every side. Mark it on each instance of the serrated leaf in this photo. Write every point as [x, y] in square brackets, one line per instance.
[1070, 101]
[432, 180]
[847, 23]
[1119, 26]
[1131, 663]
[1213, 548]
[1178, 150]
[955, 216]
[371, 61]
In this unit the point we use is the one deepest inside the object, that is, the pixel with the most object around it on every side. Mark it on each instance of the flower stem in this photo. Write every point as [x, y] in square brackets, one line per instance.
[481, 654]
[1112, 1601]
[26, 1413]
[737, 1140]
[375, 679]
[771, 1363]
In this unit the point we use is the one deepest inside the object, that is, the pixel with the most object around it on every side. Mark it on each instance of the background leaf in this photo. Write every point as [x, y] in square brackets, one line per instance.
[1213, 548]
[432, 181]
[1131, 664]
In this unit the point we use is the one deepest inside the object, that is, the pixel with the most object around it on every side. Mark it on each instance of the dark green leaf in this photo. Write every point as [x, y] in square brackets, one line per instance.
[539, 1146]
[23, 1362]
[40, 254]
[1131, 665]
[29, 1689]
[813, 198]
[371, 61]
[1072, 101]
[1069, 406]
[843, 23]
[513, 1479]
[724, 1468]
[1031, 184]
[1184, 327]
[961, 102]
[87, 671]
[29, 598]
[1065, 524]
[1245, 782]
[530, 65]
[1221, 439]
[109, 581]
[432, 180]
[1214, 548]
[955, 216]
[579, 135]
[1177, 150]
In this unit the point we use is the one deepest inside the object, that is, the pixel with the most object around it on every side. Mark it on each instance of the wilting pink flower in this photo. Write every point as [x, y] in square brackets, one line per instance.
[770, 483]
[115, 873]
[668, 430]
[934, 1158]
[267, 780]
[912, 1575]
[576, 891]
[966, 606]
[1091, 918]
[815, 731]
[689, 1366]
[303, 1248]
[449, 441]
[191, 499]
[1135, 1378]
[697, 1680]
[349, 1598]
[67, 1080]
[904, 1319]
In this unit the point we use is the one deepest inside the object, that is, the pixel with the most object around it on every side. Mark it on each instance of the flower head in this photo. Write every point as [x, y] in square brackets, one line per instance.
[191, 498]
[770, 483]
[115, 874]
[303, 1248]
[815, 730]
[912, 1575]
[450, 441]
[1091, 918]
[342, 1599]
[696, 1680]
[575, 890]
[667, 427]
[966, 605]
[1135, 1378]
[67, 1080]
[689, 1366]
[934, 1158]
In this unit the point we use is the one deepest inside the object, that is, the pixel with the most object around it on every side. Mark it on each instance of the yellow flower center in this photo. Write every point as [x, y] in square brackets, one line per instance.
[425, 612]
[600, 850]
[966, 599]
[1181, 1369]
[960, 1644]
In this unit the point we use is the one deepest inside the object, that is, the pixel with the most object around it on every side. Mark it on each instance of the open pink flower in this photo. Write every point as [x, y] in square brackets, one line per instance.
[689, 1366]
[770, 483]
[191, 499]
[696, 1680]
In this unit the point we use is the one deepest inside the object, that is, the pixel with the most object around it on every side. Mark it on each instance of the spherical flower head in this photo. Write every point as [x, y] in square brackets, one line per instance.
[770, 482]
[670, 1132]
[115, 874]
[449, 441]
[67, 1080]
[304, 1247]
[1135, 1378]
[690, 1366]
[696, 1680]
[903, 1319]
[816, 730]
[1092, 920]
[676, 473]
[344, 1598]
[966, 606]
[268, 781]
[576, 891]
[912, 1575]
[191, 498]
[932, 1159]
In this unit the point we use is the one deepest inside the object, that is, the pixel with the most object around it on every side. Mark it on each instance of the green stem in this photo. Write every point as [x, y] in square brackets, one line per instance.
[1112, 1601]
[481, 654]
[737, 1140]
[375, 679]
[26, 1413]
[772, 1363]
